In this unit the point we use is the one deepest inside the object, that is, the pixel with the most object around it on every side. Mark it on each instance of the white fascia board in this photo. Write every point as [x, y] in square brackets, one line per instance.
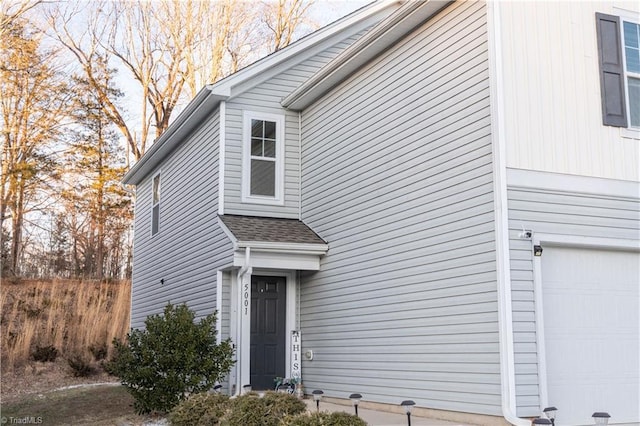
[275, 247]
[187, 120]
[377, 40]
[281, 261]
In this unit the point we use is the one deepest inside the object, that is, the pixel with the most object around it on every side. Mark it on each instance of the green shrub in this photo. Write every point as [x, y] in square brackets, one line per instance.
[269, 410]
[201, 409]
[323, 418]
[45, 353]
[172, 358]
[81, 366]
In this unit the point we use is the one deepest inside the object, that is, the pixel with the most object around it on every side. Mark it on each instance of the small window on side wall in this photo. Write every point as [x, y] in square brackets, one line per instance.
[155, 205]
[263, 160]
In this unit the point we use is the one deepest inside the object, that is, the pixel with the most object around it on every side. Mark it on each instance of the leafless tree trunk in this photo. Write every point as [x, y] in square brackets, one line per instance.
[32, 109]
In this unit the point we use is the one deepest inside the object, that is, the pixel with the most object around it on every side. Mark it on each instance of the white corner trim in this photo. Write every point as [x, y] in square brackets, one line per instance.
[280, 121]
[222, 148]
[505, 321]
[561, 240]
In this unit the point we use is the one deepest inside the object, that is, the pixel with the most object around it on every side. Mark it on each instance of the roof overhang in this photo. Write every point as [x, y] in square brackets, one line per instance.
[275, 254]
[189, 119]
[228, 85]
[379, 39]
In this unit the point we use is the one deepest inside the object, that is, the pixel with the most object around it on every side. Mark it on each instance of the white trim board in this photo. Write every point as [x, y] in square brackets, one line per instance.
[535, 179]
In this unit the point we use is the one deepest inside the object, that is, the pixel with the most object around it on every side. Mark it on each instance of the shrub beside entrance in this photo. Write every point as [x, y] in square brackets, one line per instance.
[171, 358]
[251, 409]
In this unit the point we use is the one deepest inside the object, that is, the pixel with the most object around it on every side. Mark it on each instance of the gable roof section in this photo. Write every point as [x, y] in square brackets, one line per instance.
[267, 229]
[380, 38]
[210, 96]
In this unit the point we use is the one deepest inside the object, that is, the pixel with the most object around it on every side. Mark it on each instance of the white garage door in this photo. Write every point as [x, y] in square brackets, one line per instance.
[591, 300]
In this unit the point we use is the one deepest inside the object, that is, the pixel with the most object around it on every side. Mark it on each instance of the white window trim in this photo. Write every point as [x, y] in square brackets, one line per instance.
[246, 158]
[629, 16]
[153, 205]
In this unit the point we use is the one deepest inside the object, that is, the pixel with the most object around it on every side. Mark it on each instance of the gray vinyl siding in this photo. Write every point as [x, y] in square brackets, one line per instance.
[397, 177]
[552, 212]
[266, 97]
[189, 247]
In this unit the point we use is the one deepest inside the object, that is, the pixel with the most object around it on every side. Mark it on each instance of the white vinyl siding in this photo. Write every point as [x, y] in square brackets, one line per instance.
[191, 247]
[397, 177]
[552, 101]
[563, 212]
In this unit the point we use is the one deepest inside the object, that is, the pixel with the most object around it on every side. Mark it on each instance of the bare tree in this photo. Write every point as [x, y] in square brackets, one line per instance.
[283, 17]
[10, 10]
[169, 46]
[32, 104]
[88, 49]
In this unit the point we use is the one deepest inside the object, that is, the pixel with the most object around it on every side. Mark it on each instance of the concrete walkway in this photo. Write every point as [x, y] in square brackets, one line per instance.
[380, 418]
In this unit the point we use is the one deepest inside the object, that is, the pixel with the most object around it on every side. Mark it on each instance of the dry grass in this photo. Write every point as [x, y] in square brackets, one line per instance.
[72, 316]
[93, 405]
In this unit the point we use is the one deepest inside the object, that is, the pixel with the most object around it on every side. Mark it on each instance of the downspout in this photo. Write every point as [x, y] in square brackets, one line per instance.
[241, 273]
[501, 222]
[299, 165]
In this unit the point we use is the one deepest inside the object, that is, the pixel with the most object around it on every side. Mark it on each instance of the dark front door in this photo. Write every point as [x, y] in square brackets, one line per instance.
[268, 328]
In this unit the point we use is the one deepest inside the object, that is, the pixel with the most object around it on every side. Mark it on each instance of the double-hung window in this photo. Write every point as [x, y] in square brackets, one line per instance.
[155, 204]
[263, 152]
[619, 60]
[631, 31]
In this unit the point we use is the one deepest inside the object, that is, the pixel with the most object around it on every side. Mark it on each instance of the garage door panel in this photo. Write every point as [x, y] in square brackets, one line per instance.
[591, 304]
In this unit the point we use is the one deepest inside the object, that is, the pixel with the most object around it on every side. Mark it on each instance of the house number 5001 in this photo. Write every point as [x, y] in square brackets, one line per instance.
[246, 298]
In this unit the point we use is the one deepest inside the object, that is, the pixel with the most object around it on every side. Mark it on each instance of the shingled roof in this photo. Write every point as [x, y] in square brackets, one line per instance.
[251, 228]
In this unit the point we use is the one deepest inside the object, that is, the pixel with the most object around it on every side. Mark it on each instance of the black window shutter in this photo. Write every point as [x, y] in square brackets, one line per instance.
[614, 108]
